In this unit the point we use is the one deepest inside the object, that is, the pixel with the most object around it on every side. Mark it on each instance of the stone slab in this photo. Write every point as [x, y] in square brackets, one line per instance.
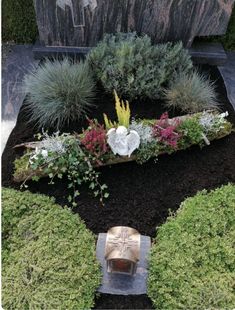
[208, 53]
[84, 22]
[18, 63]
[120, 284]
[42, 51]
[228, 73]
[201, 53]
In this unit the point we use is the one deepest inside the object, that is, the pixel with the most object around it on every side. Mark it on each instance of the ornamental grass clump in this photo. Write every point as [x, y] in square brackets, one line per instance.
[134, 67]
[49, 259]
[192, 261]
[191, 92]
[59, 92]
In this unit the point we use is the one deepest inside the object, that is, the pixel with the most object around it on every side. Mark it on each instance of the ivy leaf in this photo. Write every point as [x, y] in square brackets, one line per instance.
[96, 193]
[92, 185]
[76, 193]
[104, 186]
[35, 178]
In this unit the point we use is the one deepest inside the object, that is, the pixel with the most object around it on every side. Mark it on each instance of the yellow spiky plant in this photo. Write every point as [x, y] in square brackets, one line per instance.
[123, 114]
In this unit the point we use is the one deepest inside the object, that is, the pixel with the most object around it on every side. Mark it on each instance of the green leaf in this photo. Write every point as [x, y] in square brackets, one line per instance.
[104, 186]
[92, 185]
[35, 178]
[76, 193]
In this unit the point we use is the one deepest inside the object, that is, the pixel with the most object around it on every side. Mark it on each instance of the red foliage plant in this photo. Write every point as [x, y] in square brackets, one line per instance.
[166, 131]
[94, 139]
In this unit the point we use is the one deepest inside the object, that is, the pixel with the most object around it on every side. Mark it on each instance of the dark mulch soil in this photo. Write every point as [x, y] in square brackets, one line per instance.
[140, 195]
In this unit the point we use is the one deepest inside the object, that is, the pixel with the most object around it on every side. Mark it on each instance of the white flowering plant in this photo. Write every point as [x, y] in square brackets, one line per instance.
[144, 131]
[213, 122]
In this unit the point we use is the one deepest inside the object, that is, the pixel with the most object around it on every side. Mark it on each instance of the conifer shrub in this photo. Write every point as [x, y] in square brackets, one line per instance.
[191, 92]
[134, 67]
[59, 91]
[48, 255]
[192, 261]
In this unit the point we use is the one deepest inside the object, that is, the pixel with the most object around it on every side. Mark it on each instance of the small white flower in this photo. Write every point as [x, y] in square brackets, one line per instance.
[207, 120]
[44, 153]
[223, 115]
[33, 158]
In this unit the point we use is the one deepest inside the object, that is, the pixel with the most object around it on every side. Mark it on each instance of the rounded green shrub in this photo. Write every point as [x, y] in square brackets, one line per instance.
[49, 257]
[59, 91]
[192, 261]
[19, 21]
[191, 93]
[134, 67]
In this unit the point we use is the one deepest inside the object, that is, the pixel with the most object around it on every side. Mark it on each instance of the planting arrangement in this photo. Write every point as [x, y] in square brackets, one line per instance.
[120, 138]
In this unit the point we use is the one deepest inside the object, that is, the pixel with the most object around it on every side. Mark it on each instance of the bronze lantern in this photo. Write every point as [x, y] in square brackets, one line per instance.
[122, 250]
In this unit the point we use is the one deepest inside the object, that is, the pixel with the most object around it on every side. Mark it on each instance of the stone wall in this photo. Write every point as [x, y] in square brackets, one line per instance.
[83, 22]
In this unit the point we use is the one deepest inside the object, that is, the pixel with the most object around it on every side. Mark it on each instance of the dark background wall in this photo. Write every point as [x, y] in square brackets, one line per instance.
[19, 24]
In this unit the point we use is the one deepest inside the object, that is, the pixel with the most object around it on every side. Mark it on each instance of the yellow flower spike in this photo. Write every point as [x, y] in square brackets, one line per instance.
[123, 111]
[123, 114]
[108, 123]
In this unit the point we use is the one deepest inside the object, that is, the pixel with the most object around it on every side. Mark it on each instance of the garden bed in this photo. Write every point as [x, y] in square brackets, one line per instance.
[140, 195]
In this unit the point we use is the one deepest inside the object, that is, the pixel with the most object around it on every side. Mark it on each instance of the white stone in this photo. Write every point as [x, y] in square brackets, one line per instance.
[121, 142]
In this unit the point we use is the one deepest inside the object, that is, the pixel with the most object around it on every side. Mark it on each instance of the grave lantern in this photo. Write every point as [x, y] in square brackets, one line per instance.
[122, 250]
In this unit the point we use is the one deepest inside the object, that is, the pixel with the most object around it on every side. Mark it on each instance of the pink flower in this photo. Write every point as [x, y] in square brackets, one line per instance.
[166, 132]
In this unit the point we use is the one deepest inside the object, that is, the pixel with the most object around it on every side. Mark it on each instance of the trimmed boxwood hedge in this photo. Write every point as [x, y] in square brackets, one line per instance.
[48, 255]
[192, 262]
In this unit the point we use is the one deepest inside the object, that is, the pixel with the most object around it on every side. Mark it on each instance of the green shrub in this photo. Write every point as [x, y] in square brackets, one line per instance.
[48, 255]
[134, 67]
[18, 21]
[191, 131]
[191, 92]
[59, 92]
[192, 262]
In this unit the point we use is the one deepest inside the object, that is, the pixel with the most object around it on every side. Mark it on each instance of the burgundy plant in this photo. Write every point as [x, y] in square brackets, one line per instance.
[94, 139]
[166, 131]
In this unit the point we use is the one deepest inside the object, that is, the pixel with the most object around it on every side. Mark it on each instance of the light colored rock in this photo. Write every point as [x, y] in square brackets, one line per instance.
[121, 142]
[6, 129]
